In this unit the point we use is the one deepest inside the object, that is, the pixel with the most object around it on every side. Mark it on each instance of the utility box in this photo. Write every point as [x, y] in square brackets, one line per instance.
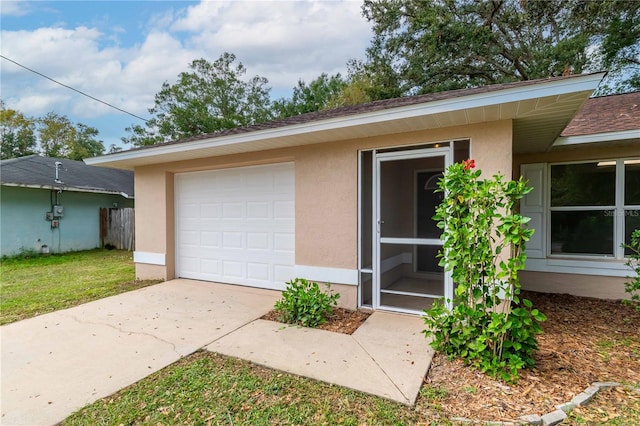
[58, 211]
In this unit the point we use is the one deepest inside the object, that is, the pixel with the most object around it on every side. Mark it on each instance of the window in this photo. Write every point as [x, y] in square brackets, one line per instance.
[593, 207]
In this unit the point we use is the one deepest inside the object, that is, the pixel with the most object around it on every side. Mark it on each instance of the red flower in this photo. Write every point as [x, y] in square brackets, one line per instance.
[469, 164]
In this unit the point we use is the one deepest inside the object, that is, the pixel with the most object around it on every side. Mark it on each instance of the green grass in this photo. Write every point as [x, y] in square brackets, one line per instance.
[613, 407]
[32, 286]
[207, 388]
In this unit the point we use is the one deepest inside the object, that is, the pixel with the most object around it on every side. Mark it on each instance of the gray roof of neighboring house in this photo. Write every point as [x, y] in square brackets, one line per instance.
[35, 171]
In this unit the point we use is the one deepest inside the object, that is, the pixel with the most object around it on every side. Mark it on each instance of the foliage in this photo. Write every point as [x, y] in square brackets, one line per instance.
[53, 135]
[489, 326]
[34, 285]
[211, 97]
[60, 138]
[633, 285]
[304, 303]
[423, 47]
[17, 133]
[363, 85]
[315, 96]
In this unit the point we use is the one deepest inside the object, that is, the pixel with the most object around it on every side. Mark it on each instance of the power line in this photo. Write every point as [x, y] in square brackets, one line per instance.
[75, 90]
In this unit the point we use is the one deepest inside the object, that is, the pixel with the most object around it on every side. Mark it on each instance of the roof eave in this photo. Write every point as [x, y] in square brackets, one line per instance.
[624, 135]
[178, 151]
[68, 189]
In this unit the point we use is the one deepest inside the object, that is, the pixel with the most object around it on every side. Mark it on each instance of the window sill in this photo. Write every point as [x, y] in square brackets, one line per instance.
[604, 267]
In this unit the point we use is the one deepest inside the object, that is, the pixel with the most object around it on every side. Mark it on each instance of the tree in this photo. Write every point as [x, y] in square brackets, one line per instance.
[211, 97]
[364, 85]
[315, 96]
[84, 143]
[422, 47]
[60, 138]
[54, 132]
[17, 134]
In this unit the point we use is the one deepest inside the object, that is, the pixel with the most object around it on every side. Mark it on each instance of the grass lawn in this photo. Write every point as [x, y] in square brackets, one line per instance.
[210, 389]
[36, 285]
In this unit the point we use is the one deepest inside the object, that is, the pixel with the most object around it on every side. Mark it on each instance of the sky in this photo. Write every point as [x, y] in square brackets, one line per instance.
[121, 52]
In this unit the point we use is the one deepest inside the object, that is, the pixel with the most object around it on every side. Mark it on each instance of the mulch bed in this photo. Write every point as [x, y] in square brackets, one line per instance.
[341, 320]
[585, 340]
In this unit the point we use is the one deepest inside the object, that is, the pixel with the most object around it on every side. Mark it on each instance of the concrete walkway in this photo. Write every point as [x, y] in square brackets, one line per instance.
[56, 363]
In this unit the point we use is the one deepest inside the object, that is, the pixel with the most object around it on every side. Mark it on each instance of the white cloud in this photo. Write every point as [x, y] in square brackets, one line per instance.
[280, 40]
[15, 8]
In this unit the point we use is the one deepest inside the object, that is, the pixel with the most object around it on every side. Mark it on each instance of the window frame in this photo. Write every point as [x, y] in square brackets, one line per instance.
[619, 212]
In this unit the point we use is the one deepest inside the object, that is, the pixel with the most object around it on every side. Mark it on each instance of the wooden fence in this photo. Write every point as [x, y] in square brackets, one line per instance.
[117, 228]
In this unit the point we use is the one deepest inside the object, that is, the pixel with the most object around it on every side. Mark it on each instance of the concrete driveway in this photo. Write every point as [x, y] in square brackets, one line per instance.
[56, 363]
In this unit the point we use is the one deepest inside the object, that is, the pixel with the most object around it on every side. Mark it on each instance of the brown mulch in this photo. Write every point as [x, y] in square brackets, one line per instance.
[340, 321]
[585, 340]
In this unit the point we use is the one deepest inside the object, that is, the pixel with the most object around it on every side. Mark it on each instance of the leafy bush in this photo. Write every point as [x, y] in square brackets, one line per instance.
[304, 303]
[633, 285]
[488, 326]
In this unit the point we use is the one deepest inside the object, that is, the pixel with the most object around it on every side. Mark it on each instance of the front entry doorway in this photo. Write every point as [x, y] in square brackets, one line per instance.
[399, 265]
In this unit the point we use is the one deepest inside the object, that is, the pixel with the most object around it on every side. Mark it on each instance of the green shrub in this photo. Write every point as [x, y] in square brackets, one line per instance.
[487, 325]
[304, 303]
[633, 285]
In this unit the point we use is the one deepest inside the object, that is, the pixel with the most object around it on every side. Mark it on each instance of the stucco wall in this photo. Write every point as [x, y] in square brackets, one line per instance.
[326, 191]
[23, 225]
[578, 285]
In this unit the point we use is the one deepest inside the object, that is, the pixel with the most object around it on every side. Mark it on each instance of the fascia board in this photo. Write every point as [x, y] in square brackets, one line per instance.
[67, 189]
[597, 137]
[540, 90]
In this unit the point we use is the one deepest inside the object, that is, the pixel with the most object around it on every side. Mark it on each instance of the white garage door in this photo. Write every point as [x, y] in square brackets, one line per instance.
[237, 225]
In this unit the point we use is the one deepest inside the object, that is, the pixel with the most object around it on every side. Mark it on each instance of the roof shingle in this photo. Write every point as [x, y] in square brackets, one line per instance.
[34, 170]
[613, 113]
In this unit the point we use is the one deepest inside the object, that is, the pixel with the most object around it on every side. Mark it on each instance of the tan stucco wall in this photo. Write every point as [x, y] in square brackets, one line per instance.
[348, 296]
[151, 272]
[326, 190]
[578, 285]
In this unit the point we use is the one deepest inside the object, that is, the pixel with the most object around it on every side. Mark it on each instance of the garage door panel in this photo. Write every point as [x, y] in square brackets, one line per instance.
[283, 241]
[282, 273]
[259, 240]
[258, 271]
[233, 269]
[210, 239]
[237, 225]
[210, 211]
[283, 209]
[259, 210]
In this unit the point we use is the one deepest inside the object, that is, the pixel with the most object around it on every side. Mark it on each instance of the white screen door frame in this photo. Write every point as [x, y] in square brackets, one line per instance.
[379, 158]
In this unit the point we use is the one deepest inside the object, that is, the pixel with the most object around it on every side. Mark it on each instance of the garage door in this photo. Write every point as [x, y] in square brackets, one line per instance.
[237, 225]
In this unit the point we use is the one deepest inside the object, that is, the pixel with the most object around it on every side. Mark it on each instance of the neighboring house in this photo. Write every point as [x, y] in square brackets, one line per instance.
[52, 204]
[346, 196]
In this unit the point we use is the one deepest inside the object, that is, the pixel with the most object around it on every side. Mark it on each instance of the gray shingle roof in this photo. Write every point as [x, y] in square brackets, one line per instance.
[34, 170]
[613, 113]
